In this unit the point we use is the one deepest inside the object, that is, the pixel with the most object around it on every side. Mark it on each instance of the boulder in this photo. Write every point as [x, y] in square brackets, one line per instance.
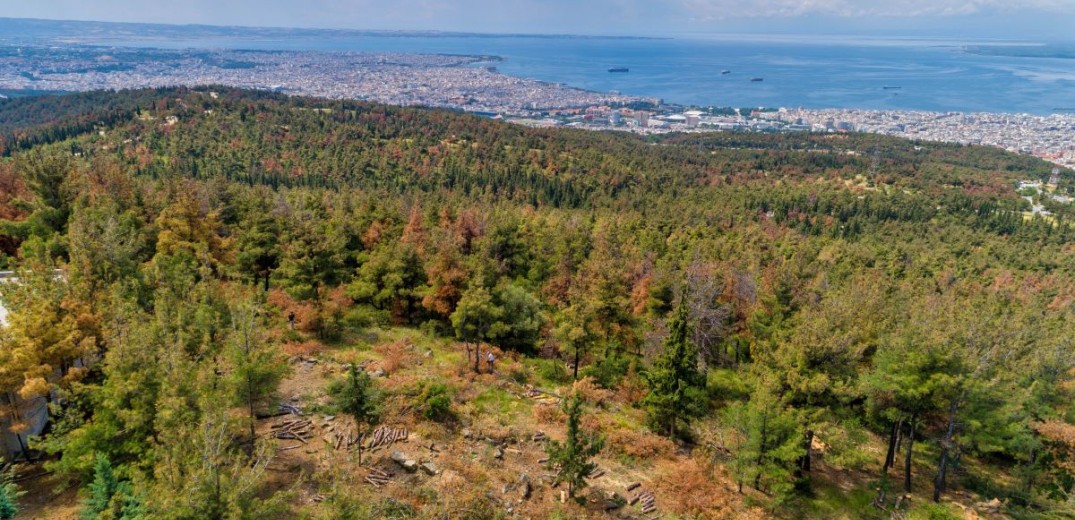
[429, 468]
[410, 465]
[524, 486]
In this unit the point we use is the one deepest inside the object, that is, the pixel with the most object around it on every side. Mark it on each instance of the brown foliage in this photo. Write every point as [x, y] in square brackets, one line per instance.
[548, 414]
[302, 348]
[395, 355]
[631, 389]
[588, 389]
[697, 494]
[639, 444]
[307, 319]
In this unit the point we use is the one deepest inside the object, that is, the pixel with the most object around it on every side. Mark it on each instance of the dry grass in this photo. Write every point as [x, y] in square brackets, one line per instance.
[302, 348]
[639, 444]
[395, 356]
[593, 394]
[685, 488]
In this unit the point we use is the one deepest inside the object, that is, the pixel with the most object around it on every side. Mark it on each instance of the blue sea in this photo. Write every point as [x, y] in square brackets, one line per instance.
[935, 75]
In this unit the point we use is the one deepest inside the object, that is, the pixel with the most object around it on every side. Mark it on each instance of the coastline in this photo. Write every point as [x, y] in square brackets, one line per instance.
[473, 83]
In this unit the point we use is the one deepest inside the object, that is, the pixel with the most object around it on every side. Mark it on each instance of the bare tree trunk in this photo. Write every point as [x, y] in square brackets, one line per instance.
[808, 445]
[910, 450]
[890, 457]
[576, 363]
[762, 433]
[946, 445]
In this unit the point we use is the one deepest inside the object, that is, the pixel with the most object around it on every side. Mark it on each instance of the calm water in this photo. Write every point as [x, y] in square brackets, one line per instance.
[931, 75]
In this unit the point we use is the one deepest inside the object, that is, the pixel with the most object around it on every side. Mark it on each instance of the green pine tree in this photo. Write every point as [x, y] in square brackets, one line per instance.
[675, 383]
[9, 495]
[572, 457]
[358, 398]
[102, 488]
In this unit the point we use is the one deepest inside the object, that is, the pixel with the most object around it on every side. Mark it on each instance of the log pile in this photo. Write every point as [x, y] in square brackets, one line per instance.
[646, 500]
[596, 473]
[384, 435]
[294, 429]
[378, 478]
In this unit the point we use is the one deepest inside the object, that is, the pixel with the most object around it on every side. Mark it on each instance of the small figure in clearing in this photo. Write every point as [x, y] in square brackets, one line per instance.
[490, 360]
[291, 320]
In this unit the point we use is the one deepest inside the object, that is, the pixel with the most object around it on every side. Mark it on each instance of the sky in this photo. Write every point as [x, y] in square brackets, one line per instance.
[1001, 19]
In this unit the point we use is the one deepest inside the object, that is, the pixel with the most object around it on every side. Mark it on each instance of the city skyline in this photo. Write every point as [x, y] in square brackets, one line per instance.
[1022, 20]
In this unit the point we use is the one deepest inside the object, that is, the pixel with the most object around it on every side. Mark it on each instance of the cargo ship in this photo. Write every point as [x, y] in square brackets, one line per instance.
[618, 69]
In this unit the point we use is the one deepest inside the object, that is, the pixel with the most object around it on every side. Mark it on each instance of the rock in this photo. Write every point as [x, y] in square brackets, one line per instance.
[499, 453]
[467, 434]
[992, 507]
[377, 373]
[429, 353]
[525, 489]
[611, 505]
[429, 468]
[329, 417]
[398, 457]
[410, 465]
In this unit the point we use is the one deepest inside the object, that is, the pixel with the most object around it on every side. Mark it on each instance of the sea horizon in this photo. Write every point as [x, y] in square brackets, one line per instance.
[897, 73]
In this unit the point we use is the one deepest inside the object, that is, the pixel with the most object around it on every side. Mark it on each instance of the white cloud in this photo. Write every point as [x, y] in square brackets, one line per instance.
[703, 10]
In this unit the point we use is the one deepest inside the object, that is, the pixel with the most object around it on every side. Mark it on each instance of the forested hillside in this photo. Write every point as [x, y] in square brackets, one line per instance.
[745, 325]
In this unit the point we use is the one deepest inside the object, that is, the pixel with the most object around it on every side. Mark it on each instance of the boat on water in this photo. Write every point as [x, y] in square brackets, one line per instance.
[725, 71]
[891, 87]
[757, 79]
[618, 69]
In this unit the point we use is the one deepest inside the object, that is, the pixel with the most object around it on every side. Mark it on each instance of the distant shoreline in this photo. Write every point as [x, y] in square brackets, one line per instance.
[188, 31]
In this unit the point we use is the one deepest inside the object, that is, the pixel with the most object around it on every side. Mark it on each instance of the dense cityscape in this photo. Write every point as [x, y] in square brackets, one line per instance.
[473, 84]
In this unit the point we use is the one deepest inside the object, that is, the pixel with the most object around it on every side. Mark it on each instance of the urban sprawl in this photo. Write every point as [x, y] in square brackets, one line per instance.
[472, 83]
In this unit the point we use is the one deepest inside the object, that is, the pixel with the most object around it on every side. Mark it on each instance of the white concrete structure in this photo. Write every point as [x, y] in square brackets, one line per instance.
[32, 412]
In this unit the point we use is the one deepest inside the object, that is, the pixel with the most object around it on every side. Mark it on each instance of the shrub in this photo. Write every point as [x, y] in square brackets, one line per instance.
[302, 348]
[639, 444]
[519, 374]
[9, 494]
[436, 403]
[552, 370]
[608, 372]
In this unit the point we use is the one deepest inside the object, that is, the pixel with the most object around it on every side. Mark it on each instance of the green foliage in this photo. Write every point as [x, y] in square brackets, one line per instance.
[928, 511]
[256, 367]
[356, 396]
[572, 458]
[110, 498]
[390, 280]
[509, 317]
[676, 386]
[9, 496]
[826, 302]
[768, 443]
[552, 370]
[436, 402]
[609, 371]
